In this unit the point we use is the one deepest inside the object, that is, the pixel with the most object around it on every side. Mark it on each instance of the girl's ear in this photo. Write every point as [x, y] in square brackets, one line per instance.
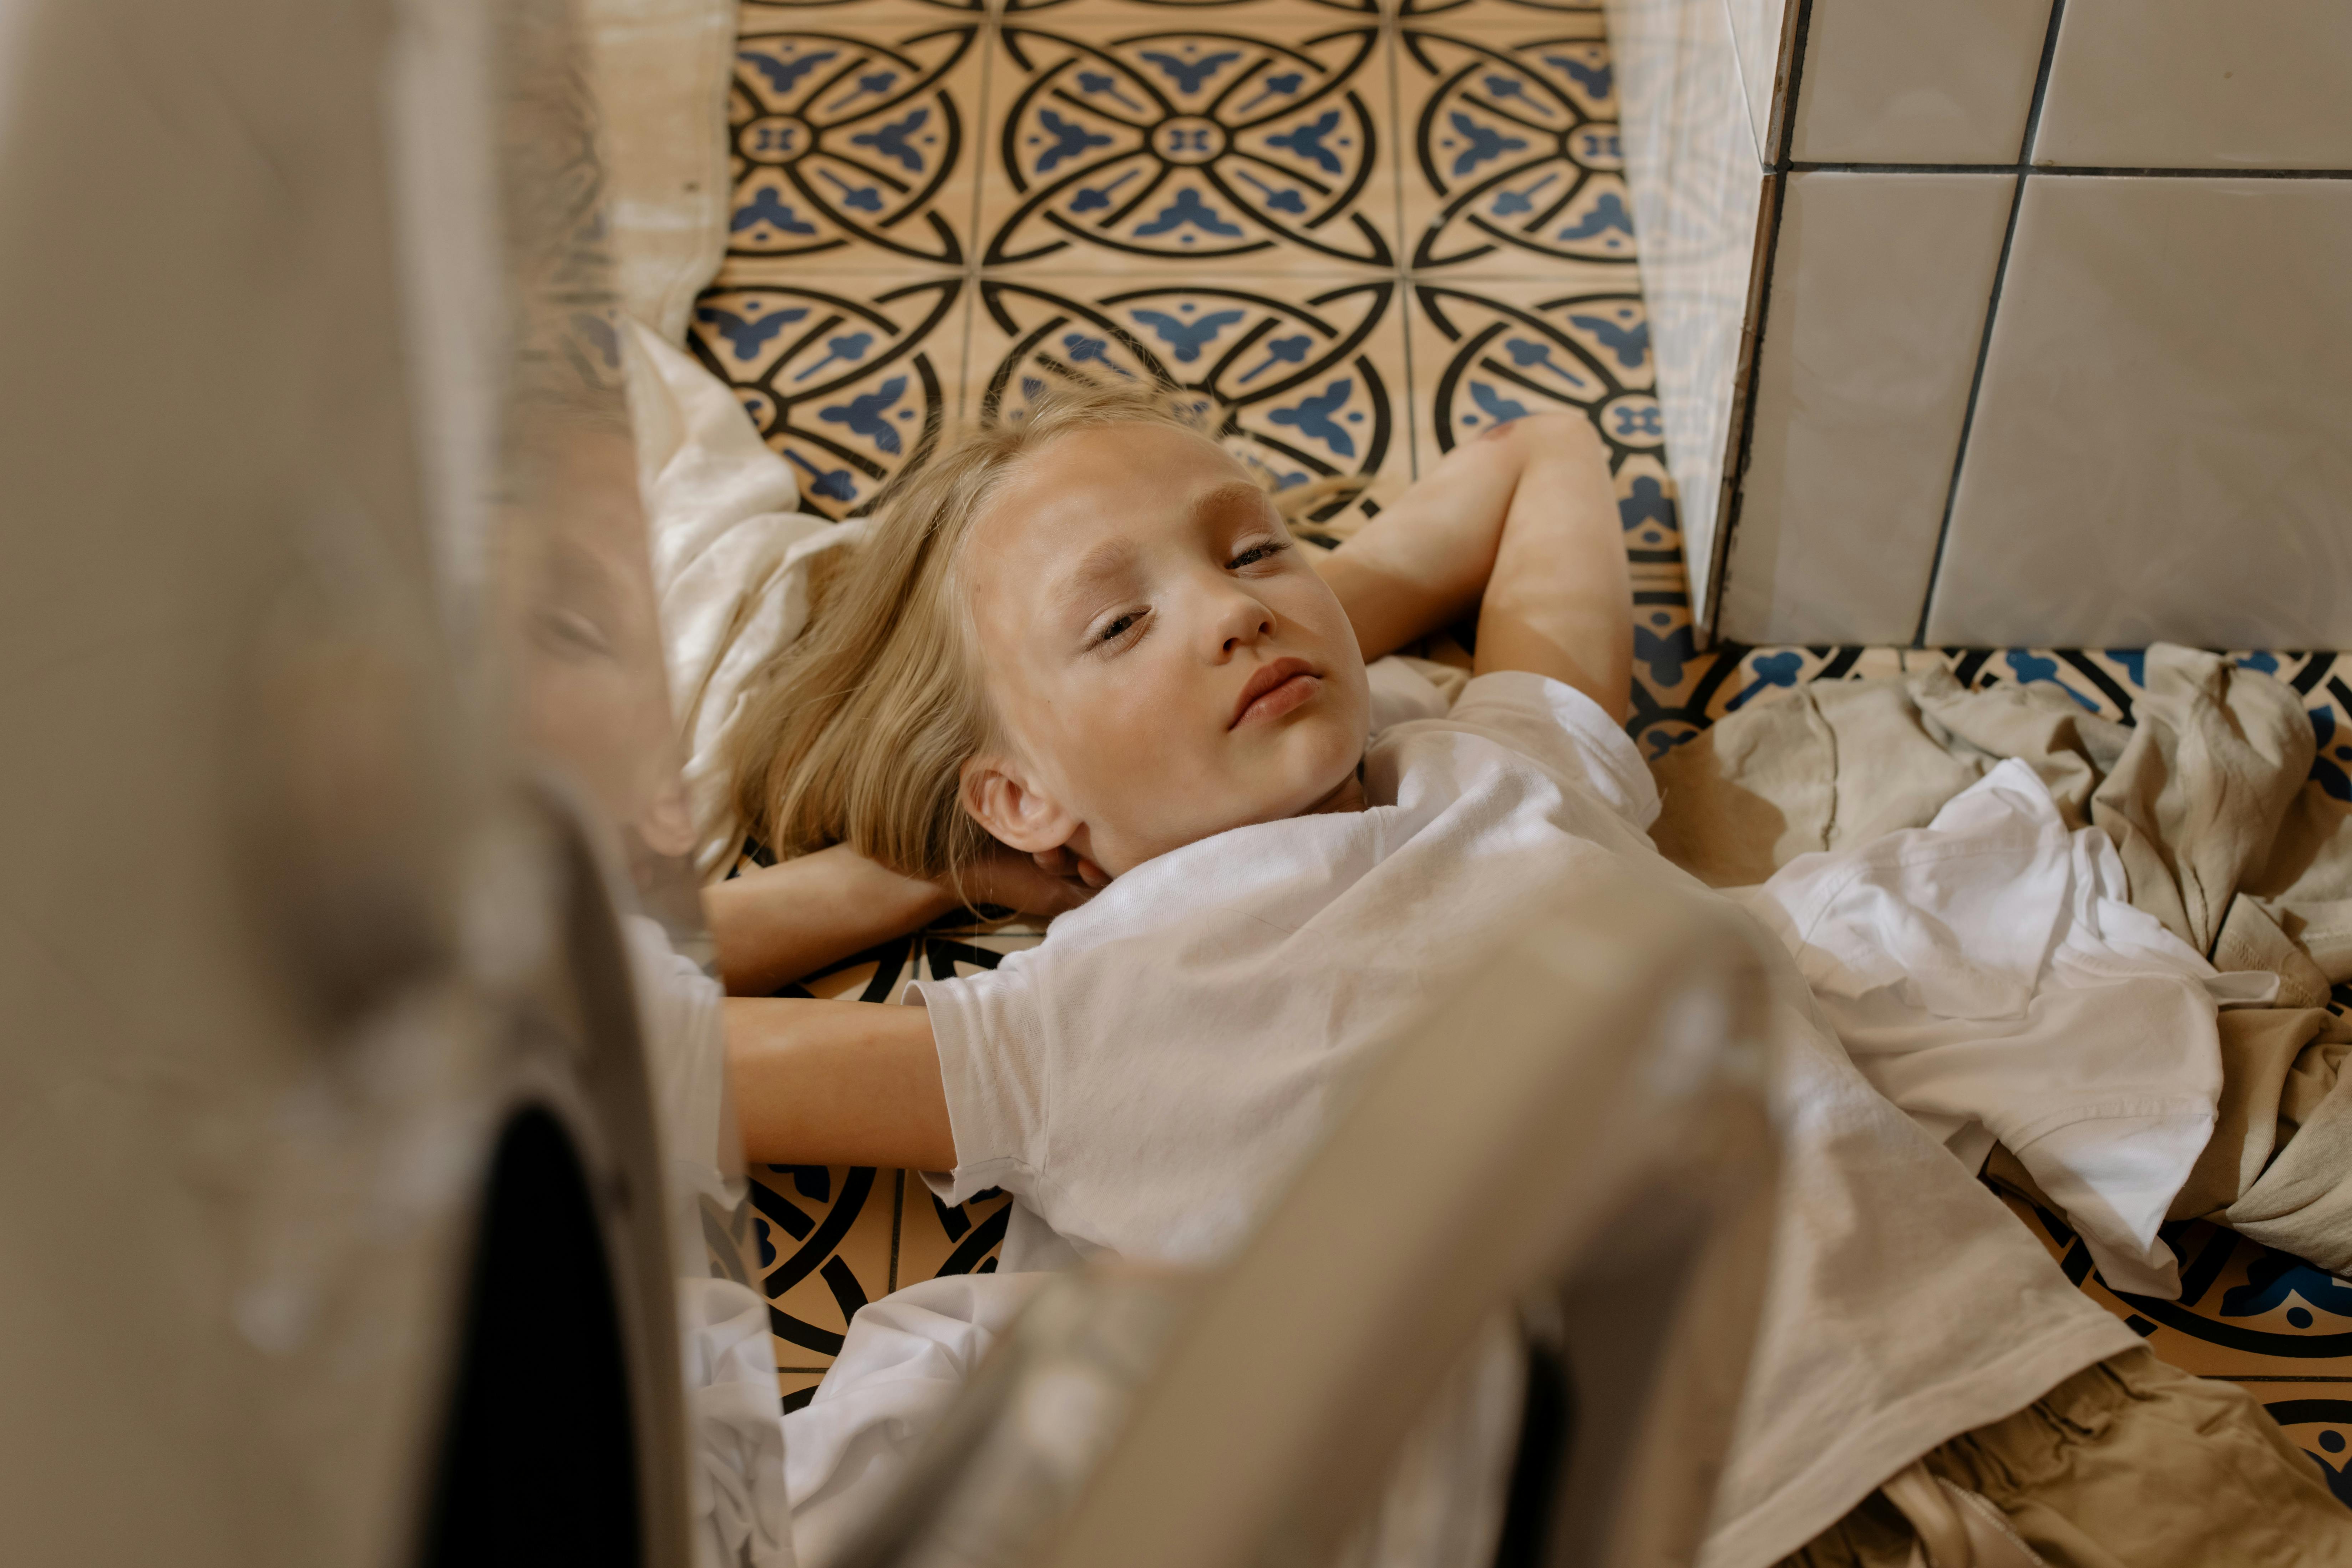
[1015, 813]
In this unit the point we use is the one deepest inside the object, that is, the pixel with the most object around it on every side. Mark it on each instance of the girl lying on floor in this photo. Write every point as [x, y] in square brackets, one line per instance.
[1088, 638]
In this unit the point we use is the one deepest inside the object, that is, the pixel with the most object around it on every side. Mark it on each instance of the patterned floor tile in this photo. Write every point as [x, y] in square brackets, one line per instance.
[937, 1238]
[798, 1387]
[849, 377]
[1308, 374]
[1176, 140]
[853, 137]
[1513, 164]
[1026, 10]
[825, 1237]
[1566, 14]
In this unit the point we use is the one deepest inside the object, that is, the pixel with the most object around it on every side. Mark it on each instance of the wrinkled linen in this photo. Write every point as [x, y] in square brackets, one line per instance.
[733, 562]
[2223, 838]
[902, 1363]
[1988, 975]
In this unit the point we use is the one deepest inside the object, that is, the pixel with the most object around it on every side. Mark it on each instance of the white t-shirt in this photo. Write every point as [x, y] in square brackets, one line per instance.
[1145, 1079]
[1988, 974]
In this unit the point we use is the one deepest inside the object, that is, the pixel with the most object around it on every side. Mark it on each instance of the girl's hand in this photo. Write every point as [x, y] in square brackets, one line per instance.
[1065, 863]
[1030, 885]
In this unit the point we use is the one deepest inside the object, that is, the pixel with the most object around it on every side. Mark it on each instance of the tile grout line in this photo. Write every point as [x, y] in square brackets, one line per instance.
[1392, 30]
[2073, 171]
[990, 25]
[2024, 168]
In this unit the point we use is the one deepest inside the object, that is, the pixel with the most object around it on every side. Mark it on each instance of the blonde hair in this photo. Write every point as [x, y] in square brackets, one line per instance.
[857, 732]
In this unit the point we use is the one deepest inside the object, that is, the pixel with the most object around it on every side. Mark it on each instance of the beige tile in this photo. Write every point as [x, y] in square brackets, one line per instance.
[846, 375]
[2190, 84]
[1919, 82]
[1512, 165]
[1879, 289]
[1701, 200]
[2158, 449]
[852, 135]
[1578, 18]
[935, 1239]
[1238, 13]
[1309, 374]
[1259, 138]
[821, 1245]
[1490, 353]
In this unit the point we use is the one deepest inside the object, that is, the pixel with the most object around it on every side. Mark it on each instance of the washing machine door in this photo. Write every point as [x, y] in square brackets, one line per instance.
[335, 839]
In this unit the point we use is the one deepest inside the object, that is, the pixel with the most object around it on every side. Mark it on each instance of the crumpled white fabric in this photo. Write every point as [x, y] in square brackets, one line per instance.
[730, 558]
[905, 1359]
[1988, 974]
[741, 1508]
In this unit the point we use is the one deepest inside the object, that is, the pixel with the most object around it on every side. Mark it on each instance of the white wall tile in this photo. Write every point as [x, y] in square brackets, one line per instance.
[2163, 439]
[2195, 84]
[1919, 82]
[1698, 193]
[1879, 289]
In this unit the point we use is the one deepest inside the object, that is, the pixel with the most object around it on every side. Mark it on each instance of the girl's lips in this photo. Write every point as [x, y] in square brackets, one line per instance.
[1280, 700]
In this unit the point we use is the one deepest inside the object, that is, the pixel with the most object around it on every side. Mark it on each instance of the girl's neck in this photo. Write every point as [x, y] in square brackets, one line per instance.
[1349, 796]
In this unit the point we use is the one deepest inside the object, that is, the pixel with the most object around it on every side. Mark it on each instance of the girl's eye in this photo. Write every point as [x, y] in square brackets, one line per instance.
[1258, 553]
[1117, 626]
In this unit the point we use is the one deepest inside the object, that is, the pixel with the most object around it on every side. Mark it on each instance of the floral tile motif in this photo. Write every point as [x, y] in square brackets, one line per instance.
[850, 382]
[2245, 1312]
[850, 145]
[1304, 378]
[1188, 144]
[1251, 9]
[1511, 349]
[822, 1249]
[1515, 164]
[1564, 13]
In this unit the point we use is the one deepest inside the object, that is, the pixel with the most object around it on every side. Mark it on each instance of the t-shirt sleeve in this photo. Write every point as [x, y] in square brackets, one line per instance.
[1563, 731]
[988, 1028]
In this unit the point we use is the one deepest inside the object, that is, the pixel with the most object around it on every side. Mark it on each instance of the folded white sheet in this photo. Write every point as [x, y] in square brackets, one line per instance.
[1988, 975]
[904, 1361]
[730, 560]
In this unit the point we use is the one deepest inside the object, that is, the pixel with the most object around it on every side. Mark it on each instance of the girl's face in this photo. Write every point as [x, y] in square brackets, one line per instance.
[1163, 662]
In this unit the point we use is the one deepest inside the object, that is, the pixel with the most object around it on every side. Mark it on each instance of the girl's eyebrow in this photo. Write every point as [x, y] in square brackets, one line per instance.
[1224, 497]
[1074, 592]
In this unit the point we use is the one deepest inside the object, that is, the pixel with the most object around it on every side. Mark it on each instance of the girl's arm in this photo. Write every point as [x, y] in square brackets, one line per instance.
[1522, 524]
[1561, 601]
[776, 924]
[837, 1083]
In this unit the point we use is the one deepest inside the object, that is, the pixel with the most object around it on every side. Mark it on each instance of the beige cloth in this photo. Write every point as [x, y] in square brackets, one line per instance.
[2127, 1464]
[2224, 837]
[663, 69]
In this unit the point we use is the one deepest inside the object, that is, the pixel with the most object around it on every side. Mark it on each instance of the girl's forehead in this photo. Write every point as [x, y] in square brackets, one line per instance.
[1132, 481]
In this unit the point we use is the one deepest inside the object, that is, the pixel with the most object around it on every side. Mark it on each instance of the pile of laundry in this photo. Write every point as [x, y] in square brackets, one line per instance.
[2104, 949]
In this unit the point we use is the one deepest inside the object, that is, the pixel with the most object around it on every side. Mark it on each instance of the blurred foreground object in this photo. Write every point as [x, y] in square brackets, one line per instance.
[359, 1139]
[1539, 1362]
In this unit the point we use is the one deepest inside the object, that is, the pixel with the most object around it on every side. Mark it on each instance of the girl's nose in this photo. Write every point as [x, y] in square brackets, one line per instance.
[1241, 621]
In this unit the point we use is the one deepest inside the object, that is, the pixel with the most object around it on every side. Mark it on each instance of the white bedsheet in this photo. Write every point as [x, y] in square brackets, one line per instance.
[730, 560]
[1988, 974]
